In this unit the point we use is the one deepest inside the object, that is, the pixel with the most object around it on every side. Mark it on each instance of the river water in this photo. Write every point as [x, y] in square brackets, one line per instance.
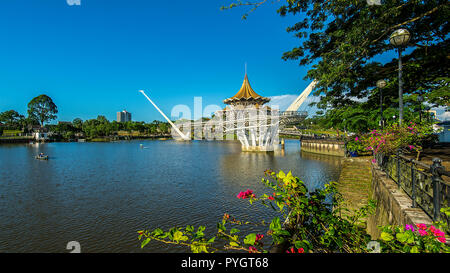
[101, 194]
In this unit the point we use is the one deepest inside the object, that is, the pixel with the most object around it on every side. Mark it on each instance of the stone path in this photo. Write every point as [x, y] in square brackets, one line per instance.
[355, 181]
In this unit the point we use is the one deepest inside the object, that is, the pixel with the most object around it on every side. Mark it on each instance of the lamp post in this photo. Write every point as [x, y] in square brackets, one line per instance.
[399, 39]
[381, 84]
[420, 100]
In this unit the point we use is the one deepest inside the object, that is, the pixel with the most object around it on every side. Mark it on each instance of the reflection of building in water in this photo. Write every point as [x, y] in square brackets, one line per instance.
[315, 169]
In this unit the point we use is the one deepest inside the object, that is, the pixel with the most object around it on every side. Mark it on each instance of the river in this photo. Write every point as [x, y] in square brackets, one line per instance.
[101, 194]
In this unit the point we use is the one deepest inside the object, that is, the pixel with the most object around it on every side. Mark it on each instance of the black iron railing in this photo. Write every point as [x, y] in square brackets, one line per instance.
[427, 185]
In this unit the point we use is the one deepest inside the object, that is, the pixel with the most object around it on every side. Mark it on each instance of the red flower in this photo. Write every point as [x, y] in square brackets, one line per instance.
[246, 194]
[259, 237]
[292, 250]
[271, 198]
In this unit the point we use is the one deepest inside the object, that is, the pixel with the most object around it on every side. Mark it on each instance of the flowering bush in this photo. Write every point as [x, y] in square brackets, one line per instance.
[316, 221]
[246, 194]
[356, 145]
[409, 137]
[410, 239]
[312, 224]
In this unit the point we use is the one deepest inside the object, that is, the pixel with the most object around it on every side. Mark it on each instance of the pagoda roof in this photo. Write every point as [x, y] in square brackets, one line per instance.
[246, 94]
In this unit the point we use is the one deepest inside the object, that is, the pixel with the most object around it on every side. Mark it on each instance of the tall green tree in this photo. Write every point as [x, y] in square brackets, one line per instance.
[346, 44]
[43, 109]
[11, 118]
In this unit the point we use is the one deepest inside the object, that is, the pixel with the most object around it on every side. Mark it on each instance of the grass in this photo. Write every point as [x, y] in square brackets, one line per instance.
[7, 133]
[100, 139]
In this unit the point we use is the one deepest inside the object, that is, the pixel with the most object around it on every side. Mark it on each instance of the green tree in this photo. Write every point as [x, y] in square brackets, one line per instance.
[342, 42]
[12, 119]
[43, 109]
[77, 123]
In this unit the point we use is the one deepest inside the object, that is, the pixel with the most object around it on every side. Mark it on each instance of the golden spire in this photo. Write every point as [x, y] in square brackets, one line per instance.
[246, 94]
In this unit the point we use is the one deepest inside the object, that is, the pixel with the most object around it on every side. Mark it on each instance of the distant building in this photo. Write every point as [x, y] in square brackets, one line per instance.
[123, 116]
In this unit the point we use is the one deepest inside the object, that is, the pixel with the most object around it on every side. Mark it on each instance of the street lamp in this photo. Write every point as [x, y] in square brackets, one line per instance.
[420, 100]
[399, 39]
[381, 84]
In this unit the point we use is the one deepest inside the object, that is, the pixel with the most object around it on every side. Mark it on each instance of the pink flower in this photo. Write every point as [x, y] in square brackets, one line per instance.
[411, 147]
[442, 239]
[423, 232]
[437, 232]
[422, 226]
[409, 227]
[356, 139]
[259, 237]
[252, 249]
[246, 194]
[292, 250]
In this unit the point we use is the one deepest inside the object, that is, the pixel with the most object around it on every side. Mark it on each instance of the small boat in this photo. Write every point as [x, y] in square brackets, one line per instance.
[42, 157]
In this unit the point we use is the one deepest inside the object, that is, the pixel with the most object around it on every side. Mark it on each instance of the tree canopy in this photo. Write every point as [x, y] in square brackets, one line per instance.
[42, 108]
[11, 118]
[346, 44]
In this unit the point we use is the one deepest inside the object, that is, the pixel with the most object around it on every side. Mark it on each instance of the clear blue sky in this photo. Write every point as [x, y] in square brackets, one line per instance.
[92, 59]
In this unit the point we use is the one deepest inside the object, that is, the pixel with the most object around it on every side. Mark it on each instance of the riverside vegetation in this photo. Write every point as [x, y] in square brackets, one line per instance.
[42, 110]
[316, 222]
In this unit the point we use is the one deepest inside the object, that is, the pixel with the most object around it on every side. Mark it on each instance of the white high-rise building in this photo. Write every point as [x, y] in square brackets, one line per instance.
[123, 116]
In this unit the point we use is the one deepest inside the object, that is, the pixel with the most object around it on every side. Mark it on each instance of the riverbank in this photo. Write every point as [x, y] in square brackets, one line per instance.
[22, 140]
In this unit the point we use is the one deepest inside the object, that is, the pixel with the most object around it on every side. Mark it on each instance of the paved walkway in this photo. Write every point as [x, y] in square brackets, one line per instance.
[355, 181]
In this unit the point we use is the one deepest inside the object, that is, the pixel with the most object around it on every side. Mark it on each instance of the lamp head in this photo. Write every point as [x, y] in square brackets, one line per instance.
[400, 37]
[381, 83]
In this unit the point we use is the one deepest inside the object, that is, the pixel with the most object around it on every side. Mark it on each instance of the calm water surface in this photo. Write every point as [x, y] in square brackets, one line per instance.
[100, 194]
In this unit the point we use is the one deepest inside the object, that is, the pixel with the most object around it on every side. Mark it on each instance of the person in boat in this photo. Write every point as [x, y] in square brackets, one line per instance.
[41, 155]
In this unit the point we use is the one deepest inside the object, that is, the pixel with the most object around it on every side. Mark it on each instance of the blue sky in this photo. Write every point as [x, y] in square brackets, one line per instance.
[93, 58]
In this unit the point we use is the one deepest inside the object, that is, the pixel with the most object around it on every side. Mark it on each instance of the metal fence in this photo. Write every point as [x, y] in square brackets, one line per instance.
[427, 185]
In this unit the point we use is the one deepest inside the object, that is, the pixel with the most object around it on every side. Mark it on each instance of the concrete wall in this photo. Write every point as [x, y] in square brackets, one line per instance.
[394, 206]
[327, 147]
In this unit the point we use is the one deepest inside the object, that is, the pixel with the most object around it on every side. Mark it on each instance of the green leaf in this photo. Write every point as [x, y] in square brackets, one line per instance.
[178, 236]
[195, 248]
[203, 249]
[157, 232]
[386, 236]
[250, 239]
[190, 228]
[414, 249]
[280, 205]
[145, 242]
[234, 244]
[221, 227]
[402, 237]
[201, 229]
[275, 224]
[283, 232]
[281, 174]
[234, 230]
[210, 241]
